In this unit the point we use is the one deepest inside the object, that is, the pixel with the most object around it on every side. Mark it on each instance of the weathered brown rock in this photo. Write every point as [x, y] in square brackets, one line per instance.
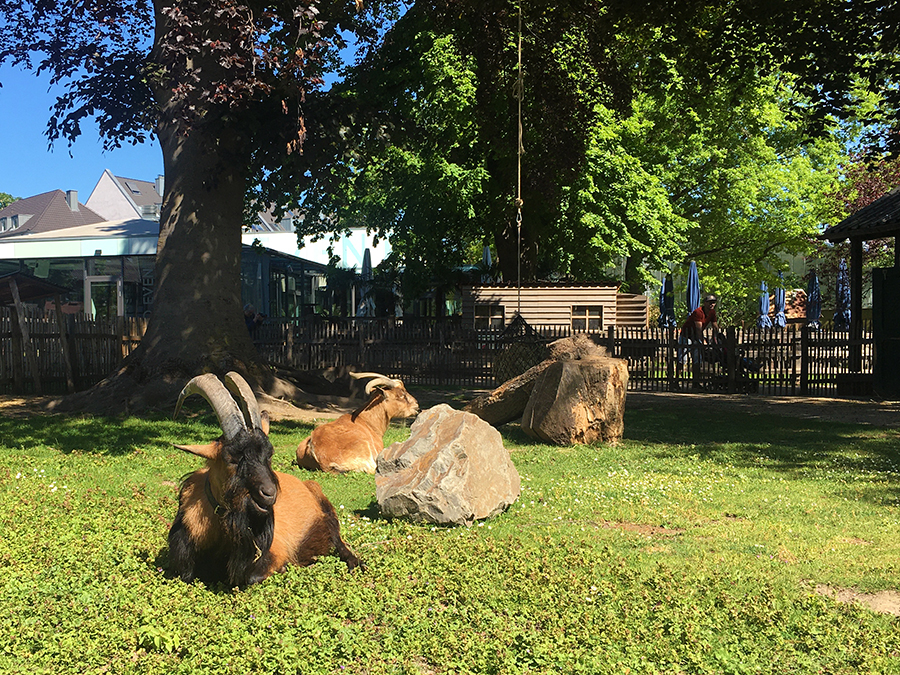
[575, 347]
[507, 402]
[575, 402]
[453, 470]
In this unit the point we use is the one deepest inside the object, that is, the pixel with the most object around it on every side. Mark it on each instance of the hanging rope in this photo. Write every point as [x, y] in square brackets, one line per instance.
[520, 94]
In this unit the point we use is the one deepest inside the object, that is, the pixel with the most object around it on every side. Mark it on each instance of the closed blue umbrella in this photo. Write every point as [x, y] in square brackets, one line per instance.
[842, 315]
[813, 301]
[764, 321]
[366, 305]
[667, 305]
[780, 320]
[486, 265]
[693, 288]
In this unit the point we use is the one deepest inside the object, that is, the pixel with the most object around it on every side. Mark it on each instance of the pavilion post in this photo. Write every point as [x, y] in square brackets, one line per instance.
[855, 304]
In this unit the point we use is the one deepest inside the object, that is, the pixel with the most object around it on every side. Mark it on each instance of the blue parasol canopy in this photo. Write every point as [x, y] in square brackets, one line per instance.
[763, 321]
[667, 305]
[693, 288]
[780, 320]
[813, 301]
[842, 315]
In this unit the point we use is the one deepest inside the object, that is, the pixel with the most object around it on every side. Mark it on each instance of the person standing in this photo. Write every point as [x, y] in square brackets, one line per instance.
[700, 319]
[691, 336]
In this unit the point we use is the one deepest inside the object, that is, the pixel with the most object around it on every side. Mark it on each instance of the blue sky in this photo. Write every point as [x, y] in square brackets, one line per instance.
[28, 168]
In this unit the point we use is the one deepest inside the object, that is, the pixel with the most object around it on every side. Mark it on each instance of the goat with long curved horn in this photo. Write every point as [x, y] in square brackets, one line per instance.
[231, 420]
[353, 441]
[239, 521]
[245, 397]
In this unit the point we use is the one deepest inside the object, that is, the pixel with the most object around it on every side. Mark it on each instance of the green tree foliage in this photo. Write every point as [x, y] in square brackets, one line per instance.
[651, 134]
[6, 199]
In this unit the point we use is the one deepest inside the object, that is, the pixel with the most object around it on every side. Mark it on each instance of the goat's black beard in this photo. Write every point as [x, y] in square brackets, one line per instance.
[250, 537]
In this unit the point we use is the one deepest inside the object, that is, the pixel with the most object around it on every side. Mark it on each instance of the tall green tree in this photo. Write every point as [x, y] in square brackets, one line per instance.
[652, 134]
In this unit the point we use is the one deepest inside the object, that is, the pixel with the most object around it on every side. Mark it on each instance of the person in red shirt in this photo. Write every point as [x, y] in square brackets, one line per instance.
[696, 324]
[700, 319]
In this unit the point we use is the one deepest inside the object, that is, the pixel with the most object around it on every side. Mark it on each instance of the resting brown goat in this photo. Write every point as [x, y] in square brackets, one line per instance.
[239, 521]
[353, 441]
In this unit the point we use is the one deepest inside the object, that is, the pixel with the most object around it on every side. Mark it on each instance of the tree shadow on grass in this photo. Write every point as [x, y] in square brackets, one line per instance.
[866, 459]
[111, 436]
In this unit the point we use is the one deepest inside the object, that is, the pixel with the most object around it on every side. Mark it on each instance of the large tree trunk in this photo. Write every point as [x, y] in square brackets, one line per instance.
[196, 324]
[197, 321]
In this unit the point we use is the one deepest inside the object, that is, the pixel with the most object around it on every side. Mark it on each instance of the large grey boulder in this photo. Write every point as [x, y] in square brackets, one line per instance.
[575, 402]
[452, 470]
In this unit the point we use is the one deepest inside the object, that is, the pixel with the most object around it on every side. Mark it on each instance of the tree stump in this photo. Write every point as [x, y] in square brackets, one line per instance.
[578, 402]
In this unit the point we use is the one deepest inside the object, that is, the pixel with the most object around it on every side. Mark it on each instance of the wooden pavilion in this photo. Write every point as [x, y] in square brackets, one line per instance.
[878, 220]
[15, 290]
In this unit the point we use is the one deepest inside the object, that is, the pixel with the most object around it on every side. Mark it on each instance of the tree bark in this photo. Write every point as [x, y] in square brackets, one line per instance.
[196, 324]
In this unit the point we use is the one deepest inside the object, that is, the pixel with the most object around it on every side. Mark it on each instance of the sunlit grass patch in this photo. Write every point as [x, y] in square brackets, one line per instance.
[690, 547]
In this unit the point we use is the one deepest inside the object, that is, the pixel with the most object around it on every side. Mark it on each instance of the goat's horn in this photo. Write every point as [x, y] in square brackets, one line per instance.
[245, 398]
[359, 376]
[211, 388]
[380, 381]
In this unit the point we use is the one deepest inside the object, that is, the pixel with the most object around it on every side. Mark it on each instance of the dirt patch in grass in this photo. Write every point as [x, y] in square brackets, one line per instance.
[885, 602]
[644, 529]
[849, 411]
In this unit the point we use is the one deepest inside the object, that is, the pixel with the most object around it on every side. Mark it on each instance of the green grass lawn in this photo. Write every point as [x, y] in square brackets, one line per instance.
[693, 546]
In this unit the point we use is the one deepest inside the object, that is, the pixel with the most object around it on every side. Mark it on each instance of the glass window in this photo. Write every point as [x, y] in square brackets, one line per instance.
[102, 267]
[587, 317]
[489, 316]
[138, 287]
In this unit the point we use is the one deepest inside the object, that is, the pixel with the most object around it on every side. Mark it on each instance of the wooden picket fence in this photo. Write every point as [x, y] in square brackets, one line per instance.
[789, 361]
[780, 361]
[784, 362]
[55, 357]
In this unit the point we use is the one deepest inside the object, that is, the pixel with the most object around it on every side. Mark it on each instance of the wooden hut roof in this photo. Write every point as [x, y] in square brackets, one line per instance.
[879, 219]
[30, 288]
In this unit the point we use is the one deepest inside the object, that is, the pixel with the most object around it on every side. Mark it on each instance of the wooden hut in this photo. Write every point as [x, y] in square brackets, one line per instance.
[878, 220]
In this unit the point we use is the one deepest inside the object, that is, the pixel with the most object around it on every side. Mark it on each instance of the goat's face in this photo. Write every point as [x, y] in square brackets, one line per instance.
[400, 403]
[249, 481]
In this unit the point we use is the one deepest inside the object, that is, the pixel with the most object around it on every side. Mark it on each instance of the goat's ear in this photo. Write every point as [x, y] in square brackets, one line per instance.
[208, 451]
[264, 422]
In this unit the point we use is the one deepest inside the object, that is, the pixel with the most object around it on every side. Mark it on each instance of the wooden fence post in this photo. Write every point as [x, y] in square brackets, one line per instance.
[670, 346]
[27, 345]
[611, 340]
[804, 361]
[731, 358]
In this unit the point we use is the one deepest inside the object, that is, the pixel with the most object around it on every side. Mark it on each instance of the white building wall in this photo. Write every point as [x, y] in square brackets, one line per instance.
[350, 249]
[108, 200]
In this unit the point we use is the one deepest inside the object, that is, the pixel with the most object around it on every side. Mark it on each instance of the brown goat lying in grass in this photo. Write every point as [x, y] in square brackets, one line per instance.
[239, 521]
[353, 441]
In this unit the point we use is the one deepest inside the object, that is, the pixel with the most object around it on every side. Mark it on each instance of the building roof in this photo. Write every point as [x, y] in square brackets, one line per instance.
[133, 227]
[879, 219]
[48, 211]
[29, 288]
[141, 192]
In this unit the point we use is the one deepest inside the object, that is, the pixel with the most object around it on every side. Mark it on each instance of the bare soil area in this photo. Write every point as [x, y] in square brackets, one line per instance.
[850, 411]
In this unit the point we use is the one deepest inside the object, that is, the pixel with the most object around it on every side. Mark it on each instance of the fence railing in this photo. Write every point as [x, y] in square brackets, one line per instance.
[81, 350]
[780, 361]
[46, 354]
